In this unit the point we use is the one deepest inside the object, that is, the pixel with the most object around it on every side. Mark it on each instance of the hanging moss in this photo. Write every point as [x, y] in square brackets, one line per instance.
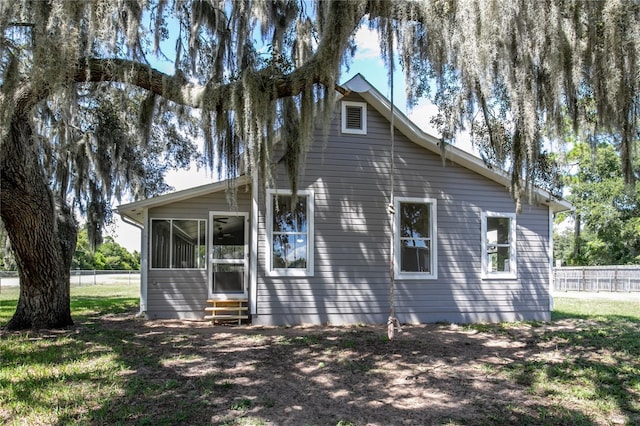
[512, 69]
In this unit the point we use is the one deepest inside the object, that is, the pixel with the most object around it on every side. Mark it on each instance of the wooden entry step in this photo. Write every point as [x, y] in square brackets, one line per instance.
[227, 310]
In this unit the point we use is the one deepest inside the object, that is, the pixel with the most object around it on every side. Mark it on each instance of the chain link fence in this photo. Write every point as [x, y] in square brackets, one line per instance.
[81, 277]
[566, 278]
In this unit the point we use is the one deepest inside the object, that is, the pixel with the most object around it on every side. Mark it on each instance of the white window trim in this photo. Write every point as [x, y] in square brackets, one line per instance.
[513, 259]
[285, 272]
[345, 129]
[433, 224]
[151, 219]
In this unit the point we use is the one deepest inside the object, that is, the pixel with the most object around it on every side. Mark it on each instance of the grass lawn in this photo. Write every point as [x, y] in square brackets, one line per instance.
[112, 368]
[594, 308]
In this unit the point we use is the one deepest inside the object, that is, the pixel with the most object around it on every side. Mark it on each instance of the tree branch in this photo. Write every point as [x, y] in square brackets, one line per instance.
[177, 89]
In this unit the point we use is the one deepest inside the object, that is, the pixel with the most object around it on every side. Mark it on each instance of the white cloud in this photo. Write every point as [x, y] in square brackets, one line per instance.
[183, 179]
[368, 44]
[421, 115]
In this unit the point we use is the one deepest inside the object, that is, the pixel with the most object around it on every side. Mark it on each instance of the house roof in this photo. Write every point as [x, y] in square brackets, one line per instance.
[134, 212]
[358, 84]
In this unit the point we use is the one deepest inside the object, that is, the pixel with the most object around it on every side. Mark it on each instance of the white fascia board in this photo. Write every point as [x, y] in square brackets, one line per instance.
[133, 211]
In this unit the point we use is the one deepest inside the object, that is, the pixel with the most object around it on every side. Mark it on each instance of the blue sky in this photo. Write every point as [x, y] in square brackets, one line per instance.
[367, 62]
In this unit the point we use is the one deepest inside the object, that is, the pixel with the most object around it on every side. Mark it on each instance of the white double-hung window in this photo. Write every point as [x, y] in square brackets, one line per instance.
[289, 233]
[416, 243]
[499, 245]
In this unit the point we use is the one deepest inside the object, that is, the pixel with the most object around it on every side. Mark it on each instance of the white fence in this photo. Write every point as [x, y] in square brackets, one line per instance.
[597, 278]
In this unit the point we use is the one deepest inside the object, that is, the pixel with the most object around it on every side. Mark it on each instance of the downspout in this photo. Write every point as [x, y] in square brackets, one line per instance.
[253, 251]
[550, 254]
[143, 258]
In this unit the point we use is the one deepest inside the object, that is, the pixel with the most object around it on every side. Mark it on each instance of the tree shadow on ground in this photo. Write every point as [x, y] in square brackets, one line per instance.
[197, 374]
[178, 372]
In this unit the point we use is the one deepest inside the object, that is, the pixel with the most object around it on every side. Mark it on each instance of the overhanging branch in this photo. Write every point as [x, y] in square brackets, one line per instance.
[210, 96]
[176, 89]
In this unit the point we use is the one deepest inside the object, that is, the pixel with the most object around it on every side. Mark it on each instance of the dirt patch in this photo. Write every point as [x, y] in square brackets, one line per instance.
[430, 374]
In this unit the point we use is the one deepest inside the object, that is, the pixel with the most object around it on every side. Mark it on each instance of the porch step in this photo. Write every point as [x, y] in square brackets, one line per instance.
[227, 310]
[230, 301]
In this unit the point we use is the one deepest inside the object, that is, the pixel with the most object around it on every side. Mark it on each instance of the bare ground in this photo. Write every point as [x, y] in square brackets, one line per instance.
[430, 374]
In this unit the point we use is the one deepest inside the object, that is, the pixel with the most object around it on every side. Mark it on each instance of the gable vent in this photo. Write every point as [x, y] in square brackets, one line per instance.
[354, 117]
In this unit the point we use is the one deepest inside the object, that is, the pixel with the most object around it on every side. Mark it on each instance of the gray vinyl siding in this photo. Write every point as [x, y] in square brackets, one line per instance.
[349, 175]
[176, 294]
[182, 293]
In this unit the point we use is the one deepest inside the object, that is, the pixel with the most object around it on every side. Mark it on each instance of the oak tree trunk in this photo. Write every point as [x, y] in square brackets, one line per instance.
[42, 232]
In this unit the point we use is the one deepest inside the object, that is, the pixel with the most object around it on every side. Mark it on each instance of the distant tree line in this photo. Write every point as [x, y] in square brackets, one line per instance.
[107, 256]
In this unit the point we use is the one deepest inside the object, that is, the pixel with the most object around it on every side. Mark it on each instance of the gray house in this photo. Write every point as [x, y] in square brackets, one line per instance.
[461, 252]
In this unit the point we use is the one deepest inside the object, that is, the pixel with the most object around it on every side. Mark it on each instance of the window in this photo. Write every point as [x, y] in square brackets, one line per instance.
[178, 244]
[498, 245]
[354, 117]
[415, 248]
[289, 234]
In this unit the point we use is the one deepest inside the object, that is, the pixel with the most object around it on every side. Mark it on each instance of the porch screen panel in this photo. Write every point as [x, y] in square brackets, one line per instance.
[228, 278]
[178, 243]
[160, 243]
[228, 238]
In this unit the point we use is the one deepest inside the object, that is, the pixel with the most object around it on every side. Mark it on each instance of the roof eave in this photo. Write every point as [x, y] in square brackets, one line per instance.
[132, 211]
